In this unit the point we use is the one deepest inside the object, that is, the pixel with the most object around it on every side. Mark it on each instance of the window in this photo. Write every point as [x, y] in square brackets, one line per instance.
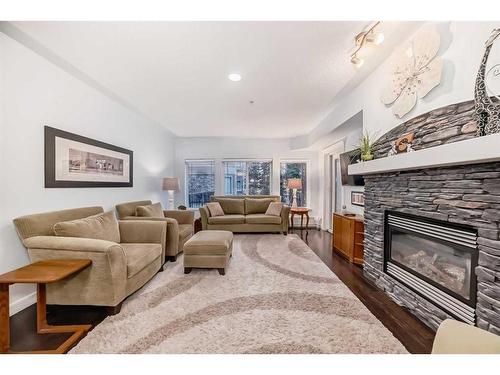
[247, 177]
[293, 170]
[200, 182]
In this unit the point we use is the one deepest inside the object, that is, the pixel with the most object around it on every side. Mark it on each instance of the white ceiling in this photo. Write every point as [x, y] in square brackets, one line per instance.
[176, 72]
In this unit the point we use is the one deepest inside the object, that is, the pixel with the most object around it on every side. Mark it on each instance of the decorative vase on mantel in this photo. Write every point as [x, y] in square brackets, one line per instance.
[367, 157]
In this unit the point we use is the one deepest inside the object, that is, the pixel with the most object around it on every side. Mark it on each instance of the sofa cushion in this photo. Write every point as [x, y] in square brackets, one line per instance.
[215, 209]
[99, 227]
[227, 219]
[232, 206]
[257, 205]
[152, 210]
[262, 219]
[139, 256]
[274, 209]
[185, 230]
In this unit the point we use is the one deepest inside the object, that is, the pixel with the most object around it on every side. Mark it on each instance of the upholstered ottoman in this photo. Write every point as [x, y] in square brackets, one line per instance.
[208, 249]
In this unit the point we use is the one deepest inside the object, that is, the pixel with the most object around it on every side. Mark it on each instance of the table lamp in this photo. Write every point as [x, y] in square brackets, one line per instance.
[294, 184]
[171, 185]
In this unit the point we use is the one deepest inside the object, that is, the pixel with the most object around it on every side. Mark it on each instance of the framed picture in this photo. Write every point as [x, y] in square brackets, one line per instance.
[74, 161]
[357, 198]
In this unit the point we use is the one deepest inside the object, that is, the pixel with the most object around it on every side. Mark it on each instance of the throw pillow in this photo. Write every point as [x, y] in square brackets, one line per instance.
[215, 209]
[100, 227]
[274, 209]
[152, 210]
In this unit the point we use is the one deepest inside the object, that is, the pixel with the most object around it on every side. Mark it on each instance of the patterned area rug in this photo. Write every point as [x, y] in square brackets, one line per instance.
[277, 297]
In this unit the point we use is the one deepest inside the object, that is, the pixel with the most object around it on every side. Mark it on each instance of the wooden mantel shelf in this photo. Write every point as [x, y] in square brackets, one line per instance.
[471, 151]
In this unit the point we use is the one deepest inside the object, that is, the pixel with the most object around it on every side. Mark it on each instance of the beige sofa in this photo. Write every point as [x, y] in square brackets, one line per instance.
[246, 214]
[180, 225]
[453, 337]
[117, 270]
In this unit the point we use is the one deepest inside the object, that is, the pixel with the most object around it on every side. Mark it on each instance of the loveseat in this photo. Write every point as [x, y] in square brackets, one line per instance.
[125, 255]
[246, 214]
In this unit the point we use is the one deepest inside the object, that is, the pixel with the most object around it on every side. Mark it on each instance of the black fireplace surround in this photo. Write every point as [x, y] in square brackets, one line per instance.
[436, 259]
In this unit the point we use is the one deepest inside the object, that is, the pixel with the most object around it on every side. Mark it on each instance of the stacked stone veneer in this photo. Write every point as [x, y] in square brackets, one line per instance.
[468, 194]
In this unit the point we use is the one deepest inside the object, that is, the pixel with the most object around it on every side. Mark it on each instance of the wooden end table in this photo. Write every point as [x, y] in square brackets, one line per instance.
[40, 273]
[302, 211]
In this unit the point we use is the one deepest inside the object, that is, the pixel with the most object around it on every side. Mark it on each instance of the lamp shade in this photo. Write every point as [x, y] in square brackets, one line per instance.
[171, 183]
[294, 183]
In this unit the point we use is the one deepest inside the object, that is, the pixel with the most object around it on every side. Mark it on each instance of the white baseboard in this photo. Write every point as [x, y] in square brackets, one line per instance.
[22, 303]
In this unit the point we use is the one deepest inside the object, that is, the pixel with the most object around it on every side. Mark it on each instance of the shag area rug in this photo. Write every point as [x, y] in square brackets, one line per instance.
[277, 297]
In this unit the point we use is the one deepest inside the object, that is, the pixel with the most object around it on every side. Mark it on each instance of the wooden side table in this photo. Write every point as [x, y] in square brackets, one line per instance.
[302, 211]
[40, 273]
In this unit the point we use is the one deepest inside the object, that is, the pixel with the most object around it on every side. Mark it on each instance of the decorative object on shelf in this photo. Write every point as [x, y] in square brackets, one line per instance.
[404, 144]
[367, 36]
[357, 198]
[171, 185]
[74, 161]
[487, 112]
[294, 184]
[366, 146]
[416, 71]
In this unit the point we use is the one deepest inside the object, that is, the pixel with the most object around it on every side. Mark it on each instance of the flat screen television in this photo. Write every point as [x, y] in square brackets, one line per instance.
[347, 158]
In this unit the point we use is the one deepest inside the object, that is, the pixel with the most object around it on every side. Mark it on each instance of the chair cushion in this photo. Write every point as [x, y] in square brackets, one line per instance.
[215, 209]
[99, 227]
[209, 242]
[139, 256]
[152, 210]
[274, 209]
[262, 219]
[185, 230]
[257, 205]
[232, 206]
[227, 219]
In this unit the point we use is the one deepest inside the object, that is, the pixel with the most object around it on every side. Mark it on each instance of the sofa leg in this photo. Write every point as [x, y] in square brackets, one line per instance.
[222, 271]
[187, 270]
[285, 232]
[113, 310]
[172, 258]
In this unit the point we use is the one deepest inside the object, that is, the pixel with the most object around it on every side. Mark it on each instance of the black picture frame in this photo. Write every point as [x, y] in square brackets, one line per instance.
[353, 202]
[50, 135]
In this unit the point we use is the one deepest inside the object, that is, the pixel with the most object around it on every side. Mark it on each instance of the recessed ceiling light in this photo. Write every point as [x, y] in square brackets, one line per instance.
[235, 77]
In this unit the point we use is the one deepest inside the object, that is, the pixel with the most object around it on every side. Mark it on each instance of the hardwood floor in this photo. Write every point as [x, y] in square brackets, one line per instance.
[414, 335]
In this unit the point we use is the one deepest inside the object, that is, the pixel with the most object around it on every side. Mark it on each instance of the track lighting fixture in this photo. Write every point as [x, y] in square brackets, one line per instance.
[366, 36]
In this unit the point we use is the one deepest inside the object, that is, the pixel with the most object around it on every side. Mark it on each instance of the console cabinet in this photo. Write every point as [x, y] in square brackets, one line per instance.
[348, 237]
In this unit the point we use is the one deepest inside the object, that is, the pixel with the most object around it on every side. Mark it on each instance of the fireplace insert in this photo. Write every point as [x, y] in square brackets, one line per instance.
[436, 259]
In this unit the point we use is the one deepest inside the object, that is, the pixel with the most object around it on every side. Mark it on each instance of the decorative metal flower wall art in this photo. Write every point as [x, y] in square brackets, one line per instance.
[416, 70]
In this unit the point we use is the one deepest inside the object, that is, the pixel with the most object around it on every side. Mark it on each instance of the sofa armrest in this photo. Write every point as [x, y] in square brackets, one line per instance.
[454, 337]
[285, 217]
[182, 216]
[103, 283]
[204, 214]
[172, 235]
[142, 231]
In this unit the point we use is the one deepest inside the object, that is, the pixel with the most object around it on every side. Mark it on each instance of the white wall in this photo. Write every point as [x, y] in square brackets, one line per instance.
[462, 47]
[241, 148]
[34, 93]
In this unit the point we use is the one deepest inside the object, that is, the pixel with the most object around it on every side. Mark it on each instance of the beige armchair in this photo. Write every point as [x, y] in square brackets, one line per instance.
[454, 337]
[117, 270]
[180, 225]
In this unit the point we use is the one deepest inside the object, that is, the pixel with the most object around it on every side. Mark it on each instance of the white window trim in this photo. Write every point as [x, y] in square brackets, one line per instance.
[308, 175]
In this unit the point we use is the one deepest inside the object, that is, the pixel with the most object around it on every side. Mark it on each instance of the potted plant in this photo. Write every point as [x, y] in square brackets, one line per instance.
[366, 146]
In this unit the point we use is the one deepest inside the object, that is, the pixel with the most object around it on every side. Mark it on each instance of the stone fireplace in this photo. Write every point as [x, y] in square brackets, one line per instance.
[432, 232]
[436, 259]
